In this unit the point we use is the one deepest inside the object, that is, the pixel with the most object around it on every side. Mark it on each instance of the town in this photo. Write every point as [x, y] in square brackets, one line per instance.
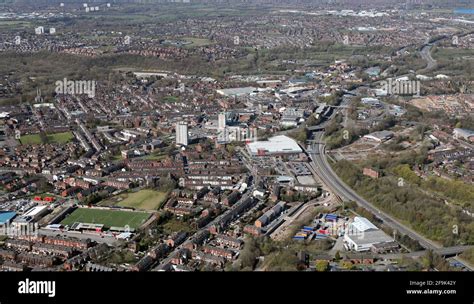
[297, 137]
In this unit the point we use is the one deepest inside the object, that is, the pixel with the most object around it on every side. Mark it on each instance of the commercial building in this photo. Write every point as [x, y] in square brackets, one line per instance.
[236, 92]
[278, 145]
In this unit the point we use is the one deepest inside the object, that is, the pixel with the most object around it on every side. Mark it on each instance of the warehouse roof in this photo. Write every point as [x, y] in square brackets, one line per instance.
[236, 91]
[277, 144]
[369, 237]
[380, 135]
[362, 224]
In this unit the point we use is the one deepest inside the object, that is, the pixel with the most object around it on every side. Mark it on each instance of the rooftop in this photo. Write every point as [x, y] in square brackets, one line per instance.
[6, 216]
[362, 224]
[370, 237]
[236, 91]
[277, 144]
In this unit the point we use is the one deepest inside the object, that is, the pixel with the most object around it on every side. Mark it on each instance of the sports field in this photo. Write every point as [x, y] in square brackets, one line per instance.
[109, 218]
[58, 138]
[144, 199]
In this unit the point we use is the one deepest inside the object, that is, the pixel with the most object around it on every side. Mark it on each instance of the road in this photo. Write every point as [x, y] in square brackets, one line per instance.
[447, 251]
[426, 55]
[327, 175]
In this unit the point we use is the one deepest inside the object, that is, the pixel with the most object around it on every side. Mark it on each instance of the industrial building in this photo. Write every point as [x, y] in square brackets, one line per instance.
[380, 136]
[463, 134]
[6, 217]
[362, 235]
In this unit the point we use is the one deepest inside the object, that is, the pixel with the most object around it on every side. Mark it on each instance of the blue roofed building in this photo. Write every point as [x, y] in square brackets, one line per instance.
[6, 217]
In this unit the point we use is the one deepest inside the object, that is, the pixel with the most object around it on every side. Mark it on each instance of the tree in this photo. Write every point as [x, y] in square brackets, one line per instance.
[337, 256]
[428, 259]
[249, 254]
[322, 266]
[346, 265]
[44, 137]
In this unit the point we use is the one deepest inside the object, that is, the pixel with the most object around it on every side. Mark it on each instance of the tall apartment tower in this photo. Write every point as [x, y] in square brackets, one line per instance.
[221, 121]
[39, 30]
[182, 133]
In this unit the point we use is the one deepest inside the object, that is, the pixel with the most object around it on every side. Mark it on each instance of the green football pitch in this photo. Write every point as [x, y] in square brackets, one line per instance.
[109, 218]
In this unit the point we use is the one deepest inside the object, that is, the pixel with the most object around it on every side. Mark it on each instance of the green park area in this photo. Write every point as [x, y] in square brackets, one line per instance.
[144, 199]
[109, 218]
[36, 139]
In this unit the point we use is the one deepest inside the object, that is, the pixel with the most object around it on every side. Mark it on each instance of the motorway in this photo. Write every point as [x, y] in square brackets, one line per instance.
[339, 188]
[447, 251]
[330, 178]
[425, 53]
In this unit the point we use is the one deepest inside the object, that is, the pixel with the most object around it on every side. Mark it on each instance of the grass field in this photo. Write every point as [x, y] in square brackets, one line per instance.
[32, 139]
[13, 24]
[156, 156]
[143, 199]
[58, 138]
[109, 218]
[175, 225]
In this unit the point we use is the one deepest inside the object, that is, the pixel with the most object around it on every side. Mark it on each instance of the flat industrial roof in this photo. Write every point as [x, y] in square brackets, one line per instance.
[363, 224]
[369, 237]
[236, 91]
[379, 134]
[6, 216]
[276, 144]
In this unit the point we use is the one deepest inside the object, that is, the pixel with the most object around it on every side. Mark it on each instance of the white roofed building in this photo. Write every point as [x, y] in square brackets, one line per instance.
[278, 145]
[362, 235]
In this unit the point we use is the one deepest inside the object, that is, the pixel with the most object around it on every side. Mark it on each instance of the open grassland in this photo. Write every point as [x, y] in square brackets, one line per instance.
[143, 199]
[58, 138]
